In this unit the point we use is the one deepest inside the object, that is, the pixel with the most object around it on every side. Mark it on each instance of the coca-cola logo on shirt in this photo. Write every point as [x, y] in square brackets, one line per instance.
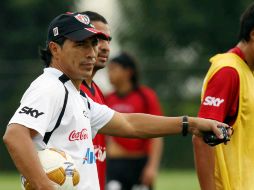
[78, 135]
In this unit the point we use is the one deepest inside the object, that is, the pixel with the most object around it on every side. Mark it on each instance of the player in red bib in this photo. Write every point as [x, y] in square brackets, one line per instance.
[132, 163]
[93, 91]
[228, 96]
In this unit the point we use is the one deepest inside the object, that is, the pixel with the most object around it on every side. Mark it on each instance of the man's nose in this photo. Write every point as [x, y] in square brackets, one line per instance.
[92, 52]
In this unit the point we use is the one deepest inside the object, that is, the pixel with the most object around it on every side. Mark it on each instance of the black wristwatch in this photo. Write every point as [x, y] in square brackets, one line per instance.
[185, 125]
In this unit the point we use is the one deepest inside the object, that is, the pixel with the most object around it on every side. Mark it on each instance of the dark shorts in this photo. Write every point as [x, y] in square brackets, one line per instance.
[124, 174]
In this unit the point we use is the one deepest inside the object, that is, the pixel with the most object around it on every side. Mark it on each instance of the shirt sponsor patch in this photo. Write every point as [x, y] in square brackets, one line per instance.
[212, 101]
[30, 111]
[100, 153]
[78, 135]
[89, 157]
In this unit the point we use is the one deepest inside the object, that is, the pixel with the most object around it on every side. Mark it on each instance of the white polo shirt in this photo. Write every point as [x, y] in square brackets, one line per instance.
[39, 110]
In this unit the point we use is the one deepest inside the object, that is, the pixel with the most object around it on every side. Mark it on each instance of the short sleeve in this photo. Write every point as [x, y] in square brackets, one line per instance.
[221, 96]
[39, 107]
[100, 116]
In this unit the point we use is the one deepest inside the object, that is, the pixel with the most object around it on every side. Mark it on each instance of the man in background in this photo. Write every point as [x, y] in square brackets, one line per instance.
[228, 96]
[93, 91]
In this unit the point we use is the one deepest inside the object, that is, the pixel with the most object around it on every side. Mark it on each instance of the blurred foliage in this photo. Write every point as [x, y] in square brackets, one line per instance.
[170, 36]
[158, 24]
[23, 29]
[24, 25]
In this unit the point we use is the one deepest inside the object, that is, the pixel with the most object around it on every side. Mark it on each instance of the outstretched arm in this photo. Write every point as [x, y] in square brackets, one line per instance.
[138, 125]
[18, 140]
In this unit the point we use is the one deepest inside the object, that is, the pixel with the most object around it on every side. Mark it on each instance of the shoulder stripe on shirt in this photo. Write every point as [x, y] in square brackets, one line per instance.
[63, 78]
[84, 95]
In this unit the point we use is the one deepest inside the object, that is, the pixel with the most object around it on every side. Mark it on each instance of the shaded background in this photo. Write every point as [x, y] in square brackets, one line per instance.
[172, 40]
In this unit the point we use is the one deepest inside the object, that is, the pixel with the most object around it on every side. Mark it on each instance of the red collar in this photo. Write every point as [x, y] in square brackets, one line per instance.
[238, 52]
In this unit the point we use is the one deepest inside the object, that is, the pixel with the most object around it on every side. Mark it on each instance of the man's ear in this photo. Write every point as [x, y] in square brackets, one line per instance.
[54, 48]
[252, 35]
[130, 72]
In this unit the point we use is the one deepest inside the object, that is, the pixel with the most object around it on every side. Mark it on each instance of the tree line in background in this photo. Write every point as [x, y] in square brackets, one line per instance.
[172, 40]
[23, 30]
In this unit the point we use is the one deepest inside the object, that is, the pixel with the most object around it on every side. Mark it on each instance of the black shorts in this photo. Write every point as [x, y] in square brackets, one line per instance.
[124, 174]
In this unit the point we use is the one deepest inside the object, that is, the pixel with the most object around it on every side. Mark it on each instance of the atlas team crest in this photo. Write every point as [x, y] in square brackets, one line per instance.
[83, 18]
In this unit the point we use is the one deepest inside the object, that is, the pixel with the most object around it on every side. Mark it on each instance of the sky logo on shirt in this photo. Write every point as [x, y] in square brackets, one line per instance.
[89, 157]
[212, 101]
[30, 111]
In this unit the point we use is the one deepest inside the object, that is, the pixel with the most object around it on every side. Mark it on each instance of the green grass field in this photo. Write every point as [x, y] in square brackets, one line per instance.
[177, 180]
[172, 179]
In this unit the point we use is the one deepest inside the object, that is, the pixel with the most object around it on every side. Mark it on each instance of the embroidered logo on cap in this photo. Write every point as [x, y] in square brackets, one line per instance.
[55, 31]
[83, 18]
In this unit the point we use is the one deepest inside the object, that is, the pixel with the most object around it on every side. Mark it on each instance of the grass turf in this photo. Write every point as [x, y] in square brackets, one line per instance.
[167, 179]
[177, 180]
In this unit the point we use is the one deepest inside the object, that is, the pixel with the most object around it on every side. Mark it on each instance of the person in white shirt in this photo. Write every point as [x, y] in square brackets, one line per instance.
[53, 112]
